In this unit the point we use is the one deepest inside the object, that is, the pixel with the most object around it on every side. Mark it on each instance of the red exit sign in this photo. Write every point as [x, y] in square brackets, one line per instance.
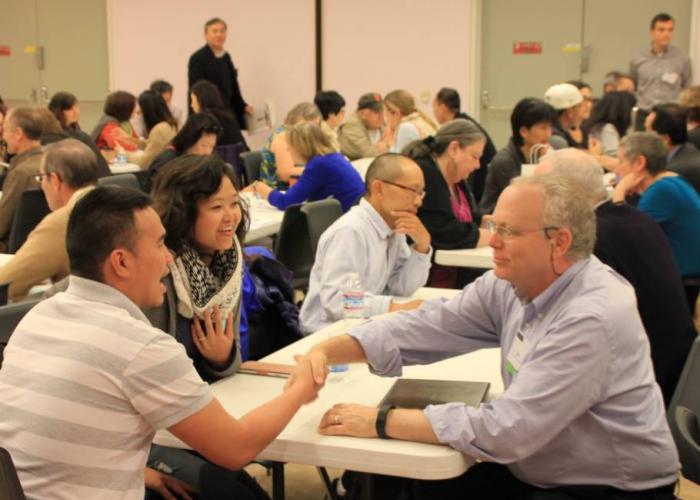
[527, 48]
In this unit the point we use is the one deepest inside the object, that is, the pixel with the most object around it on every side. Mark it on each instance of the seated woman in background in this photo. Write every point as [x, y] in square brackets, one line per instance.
[205, 223]
[66, 109]
[197, 137]
[449, 211]
[160, 125]
[665, 196]
[278, 167]
[206, 98]
[114, 128]
[406, 122]
[610, 120]
[327, 172]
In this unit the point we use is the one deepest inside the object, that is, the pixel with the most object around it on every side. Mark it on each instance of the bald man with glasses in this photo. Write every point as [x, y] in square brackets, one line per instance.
[581, 415]
[371, 241]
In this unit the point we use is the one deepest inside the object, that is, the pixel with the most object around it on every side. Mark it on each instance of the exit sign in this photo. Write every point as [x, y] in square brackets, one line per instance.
[527, 48]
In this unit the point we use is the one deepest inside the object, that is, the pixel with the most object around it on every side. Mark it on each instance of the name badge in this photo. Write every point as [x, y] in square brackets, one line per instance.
[670, 78]
[517, 353]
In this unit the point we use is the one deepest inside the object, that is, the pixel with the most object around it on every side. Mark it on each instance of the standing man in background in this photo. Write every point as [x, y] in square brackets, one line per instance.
[660, 70]
[213, 63]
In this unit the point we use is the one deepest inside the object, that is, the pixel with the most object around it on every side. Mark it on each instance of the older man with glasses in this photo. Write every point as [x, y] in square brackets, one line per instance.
[581, 415]
[370, 241]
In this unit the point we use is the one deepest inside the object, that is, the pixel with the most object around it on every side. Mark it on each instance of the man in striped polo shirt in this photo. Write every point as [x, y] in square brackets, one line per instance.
[87, 380]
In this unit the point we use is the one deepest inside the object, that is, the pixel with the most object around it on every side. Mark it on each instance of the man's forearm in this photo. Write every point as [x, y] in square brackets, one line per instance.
[341, 349]
[410, 425]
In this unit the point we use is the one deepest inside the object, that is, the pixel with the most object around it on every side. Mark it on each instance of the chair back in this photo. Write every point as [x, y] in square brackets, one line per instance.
[4, 290]
[122, 180]
[231, 153]
[683, 412]
[31, 208]
[10, 487]
[319, 216]
[293, 246]
[251, 164]
[11, 315]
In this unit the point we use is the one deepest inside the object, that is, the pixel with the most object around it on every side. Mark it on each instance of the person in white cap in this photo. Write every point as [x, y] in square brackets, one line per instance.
[566, 99]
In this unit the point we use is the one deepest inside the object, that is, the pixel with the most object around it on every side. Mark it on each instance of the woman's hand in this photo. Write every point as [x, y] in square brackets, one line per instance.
[167, 486]
[215, 341]
[262, 190]
[630, 183]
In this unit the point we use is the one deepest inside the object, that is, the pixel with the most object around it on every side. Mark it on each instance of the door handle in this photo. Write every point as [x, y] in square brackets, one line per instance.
[585, 61]
[44, 93]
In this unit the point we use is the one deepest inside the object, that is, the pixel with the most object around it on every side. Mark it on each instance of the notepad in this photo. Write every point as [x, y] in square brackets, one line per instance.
[419, 393]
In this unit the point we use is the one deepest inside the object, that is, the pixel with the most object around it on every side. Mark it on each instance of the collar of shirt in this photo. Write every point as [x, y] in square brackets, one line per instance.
[539, 306]
[375, 219]
[94, 291]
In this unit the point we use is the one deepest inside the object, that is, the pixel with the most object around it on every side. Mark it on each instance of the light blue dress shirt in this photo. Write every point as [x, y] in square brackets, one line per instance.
[583, 409]
[361, 242]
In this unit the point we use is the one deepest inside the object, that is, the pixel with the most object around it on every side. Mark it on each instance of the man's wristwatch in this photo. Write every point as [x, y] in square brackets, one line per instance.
[380, 424]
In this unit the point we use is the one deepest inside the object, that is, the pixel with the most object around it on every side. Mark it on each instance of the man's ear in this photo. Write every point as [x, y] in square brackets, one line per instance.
[119, 261]
[561, 241]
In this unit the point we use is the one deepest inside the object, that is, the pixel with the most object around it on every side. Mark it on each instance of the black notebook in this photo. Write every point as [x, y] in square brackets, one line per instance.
[419, 393]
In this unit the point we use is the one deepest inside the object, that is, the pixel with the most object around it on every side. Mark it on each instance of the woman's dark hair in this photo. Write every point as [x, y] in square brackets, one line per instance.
[672, 120]
[614, 107]
[528, 112]
[196, 125]
[580, 84]
[155, 110]
[186, 180]
[208, 96]
[120, 105]
[60, 102]
[101, 221]
[450, 98]
[329, 102]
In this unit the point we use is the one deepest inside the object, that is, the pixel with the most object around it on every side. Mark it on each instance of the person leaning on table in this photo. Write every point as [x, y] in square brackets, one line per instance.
[581, 415]
[86, 380]
[370, 241]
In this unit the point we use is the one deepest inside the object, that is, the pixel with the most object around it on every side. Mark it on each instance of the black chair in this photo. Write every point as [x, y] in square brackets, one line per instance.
[4, 290]
[10, 487]
[251, 165]
[319, 216]
[31, 208]
[10, 316]
[293, 246]
[122, 180]
[683, 415]
[297, 239]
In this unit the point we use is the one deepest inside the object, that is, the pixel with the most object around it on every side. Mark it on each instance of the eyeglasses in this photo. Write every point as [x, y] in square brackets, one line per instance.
[508, 233]
[418, 193]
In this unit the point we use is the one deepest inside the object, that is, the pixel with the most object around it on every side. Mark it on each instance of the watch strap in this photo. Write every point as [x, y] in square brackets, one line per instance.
[380, 424]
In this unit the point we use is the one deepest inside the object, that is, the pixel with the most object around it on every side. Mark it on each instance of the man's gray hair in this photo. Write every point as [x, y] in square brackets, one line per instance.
[580, 168]
[650, 145]
[566, 206]
[73, 161]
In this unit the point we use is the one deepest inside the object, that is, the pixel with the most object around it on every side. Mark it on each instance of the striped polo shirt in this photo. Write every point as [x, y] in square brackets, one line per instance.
[85, 384]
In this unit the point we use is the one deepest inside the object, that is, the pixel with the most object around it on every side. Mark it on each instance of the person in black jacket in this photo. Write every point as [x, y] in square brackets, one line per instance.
[214, 64]
[635, 246]
[449, 211]
[446, 107]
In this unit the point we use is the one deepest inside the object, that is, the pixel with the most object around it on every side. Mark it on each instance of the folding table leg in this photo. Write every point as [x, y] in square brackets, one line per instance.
[277, 480]
[327, 483]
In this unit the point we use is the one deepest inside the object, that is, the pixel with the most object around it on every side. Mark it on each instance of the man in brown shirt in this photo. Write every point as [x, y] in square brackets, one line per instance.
[67, 172]
[21, 132]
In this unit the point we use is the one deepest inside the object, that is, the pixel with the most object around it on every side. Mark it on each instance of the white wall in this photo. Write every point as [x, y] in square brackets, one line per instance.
[271, 43]
[379, 46]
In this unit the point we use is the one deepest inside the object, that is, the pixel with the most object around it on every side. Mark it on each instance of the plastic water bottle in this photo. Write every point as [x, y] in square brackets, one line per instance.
[121, 157]
[353, 308]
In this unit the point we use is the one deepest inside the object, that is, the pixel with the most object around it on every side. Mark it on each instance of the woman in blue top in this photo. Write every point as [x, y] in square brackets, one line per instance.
[326, 172]
[665, 196]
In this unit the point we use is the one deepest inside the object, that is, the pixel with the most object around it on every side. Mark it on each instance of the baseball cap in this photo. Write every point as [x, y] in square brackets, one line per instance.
[562, 96]
[371, 101]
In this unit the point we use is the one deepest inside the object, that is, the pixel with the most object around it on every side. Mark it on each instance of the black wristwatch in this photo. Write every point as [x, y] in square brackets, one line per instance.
[380, 424]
